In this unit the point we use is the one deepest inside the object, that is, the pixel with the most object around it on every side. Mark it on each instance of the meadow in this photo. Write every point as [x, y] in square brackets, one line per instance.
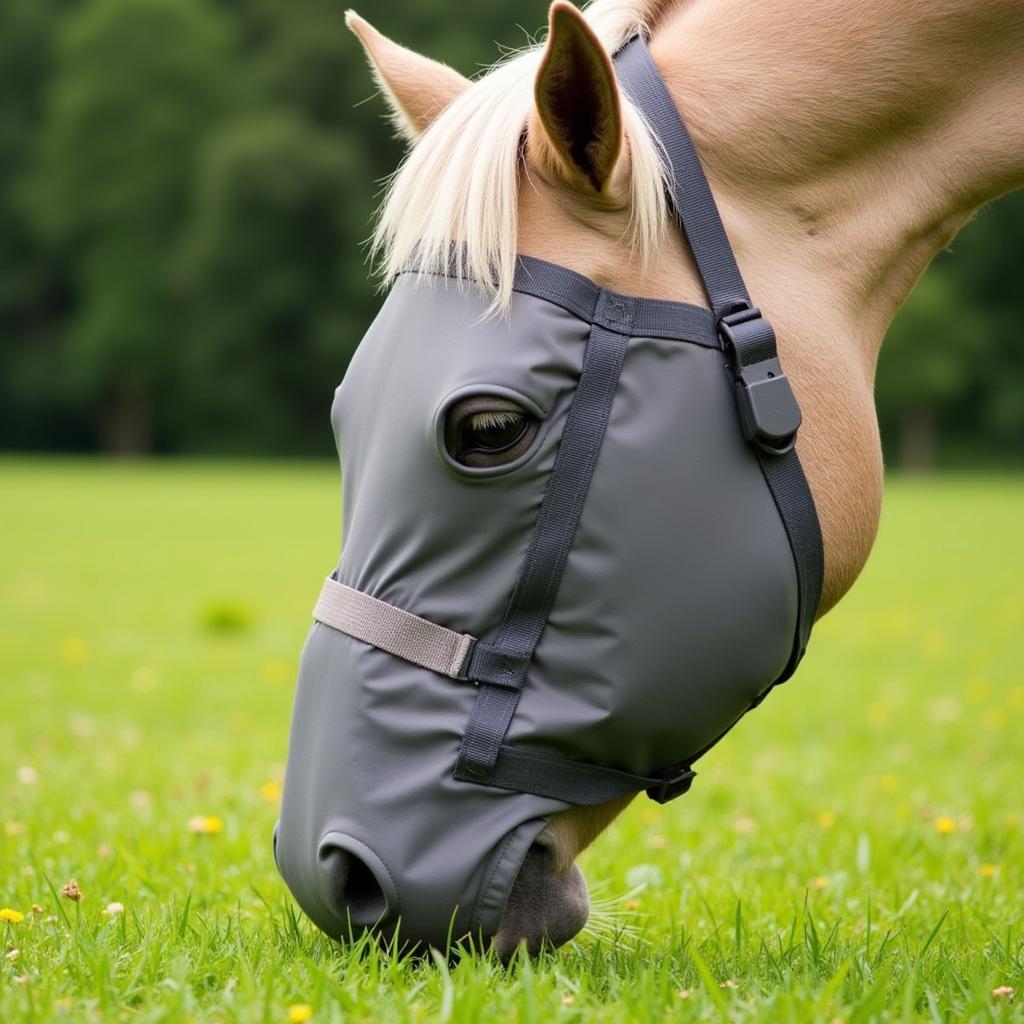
[853, 851]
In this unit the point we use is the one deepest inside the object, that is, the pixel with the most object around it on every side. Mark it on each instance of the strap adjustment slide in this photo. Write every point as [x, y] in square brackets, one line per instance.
[672, 786]
[769, 413]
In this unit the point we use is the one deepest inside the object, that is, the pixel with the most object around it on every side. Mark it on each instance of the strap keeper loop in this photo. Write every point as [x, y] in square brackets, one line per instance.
[496, 666]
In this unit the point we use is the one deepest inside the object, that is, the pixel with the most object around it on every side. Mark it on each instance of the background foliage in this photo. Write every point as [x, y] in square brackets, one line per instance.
[184, 187]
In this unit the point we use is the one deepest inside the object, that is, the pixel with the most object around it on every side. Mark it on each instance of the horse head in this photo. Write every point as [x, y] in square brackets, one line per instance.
[579, 541]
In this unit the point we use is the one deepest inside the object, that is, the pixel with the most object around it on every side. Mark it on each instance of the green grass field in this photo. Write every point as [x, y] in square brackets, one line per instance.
[853, 851]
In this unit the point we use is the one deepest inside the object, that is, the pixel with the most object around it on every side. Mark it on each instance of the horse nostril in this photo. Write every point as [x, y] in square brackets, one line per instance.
[352, 888]
[545, 907]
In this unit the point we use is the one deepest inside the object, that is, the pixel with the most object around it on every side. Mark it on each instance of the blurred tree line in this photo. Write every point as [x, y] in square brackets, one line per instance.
[184, 189]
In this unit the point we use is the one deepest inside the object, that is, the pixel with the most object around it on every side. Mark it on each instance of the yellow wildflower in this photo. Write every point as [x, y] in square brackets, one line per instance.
[827, 819]
[995, 718]
[988, 870]
[277, 671]
[74, 650]
[889, 783]
[821, 882]
[271, 791]
[205, 825]
[9, 916]
[877, 714]
[978, 689]
[300, 1013]
[945, 826]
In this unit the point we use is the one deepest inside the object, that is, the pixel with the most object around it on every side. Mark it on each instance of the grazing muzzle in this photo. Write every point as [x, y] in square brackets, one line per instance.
[573, 616]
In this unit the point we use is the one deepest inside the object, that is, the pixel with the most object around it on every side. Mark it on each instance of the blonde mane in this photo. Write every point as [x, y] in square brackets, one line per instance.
[453, 204]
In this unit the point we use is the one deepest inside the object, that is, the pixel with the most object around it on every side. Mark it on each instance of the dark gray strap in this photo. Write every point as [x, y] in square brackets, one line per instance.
[691, 193]
[769, 414]
[500, 666]
[578, 782]
[639, 318]
[788, 485]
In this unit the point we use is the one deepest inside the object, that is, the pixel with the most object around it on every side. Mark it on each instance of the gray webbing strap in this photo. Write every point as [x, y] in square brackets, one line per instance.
[525, 770]
[500, 665]
[762, 392]
[691, 194]
[392, 629]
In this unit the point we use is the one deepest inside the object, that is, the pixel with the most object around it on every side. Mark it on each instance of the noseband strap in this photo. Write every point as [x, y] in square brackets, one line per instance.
[393, 629]
[448, 653]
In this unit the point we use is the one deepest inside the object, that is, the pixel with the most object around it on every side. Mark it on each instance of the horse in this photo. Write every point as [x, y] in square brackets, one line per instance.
[845, 146]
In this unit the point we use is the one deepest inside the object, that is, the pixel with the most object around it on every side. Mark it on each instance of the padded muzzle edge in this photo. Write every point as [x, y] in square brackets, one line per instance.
[495, 892]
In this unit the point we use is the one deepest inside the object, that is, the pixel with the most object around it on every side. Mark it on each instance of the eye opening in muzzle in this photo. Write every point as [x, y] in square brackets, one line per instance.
[483, 431]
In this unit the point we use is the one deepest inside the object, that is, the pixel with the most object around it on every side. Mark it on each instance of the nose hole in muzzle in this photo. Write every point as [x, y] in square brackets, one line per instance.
[355, 884]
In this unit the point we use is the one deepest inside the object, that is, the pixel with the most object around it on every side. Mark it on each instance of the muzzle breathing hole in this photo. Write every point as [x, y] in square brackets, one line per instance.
[356, 893]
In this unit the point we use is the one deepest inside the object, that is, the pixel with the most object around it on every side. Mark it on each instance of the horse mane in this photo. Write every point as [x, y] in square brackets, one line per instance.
[452, 206]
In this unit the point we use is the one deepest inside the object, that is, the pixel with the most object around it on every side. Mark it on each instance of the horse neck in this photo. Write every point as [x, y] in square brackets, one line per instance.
[866, 132]
[846, 143]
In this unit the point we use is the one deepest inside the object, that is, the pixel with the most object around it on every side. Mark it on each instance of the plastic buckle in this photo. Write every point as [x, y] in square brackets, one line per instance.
[673, 786]
[769, 413]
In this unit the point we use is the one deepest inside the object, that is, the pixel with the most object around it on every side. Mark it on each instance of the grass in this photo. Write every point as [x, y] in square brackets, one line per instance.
[853, 851]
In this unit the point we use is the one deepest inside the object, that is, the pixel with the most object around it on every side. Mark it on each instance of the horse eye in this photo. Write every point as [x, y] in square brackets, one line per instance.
[486, 431]
[493, 431]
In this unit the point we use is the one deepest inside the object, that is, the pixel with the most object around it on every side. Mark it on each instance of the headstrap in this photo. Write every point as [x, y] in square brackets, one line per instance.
[690, 192]
[768, 411]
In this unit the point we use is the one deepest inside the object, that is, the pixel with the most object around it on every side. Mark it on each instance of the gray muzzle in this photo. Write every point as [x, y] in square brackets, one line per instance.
[581, 623]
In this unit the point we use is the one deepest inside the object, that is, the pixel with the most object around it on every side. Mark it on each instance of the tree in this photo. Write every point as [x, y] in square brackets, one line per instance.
[927, 364]
[138, 85]
[184, 189]
[32, 284]
[267, 276]
[951, 373]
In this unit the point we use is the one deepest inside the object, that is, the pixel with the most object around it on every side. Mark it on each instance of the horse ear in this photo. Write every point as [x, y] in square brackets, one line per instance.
[577, 100]
[416, 87]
